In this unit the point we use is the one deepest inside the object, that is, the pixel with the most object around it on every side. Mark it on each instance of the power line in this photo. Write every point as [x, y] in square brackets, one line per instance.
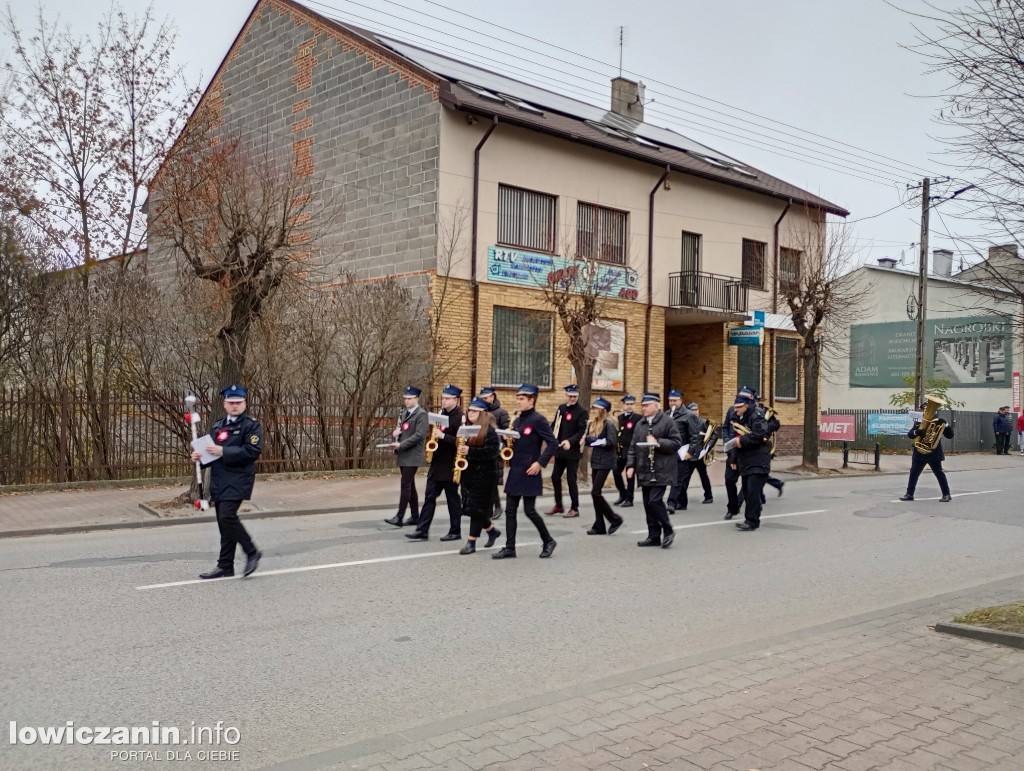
[916, 169]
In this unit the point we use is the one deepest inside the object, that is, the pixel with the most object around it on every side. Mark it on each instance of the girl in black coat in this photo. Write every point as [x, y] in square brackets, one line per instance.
[602, 435]
[480, 477]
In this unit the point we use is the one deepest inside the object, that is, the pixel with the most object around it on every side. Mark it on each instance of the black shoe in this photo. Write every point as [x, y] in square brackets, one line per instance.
[451, 537]
[615, 526]
[469, 548]
[492, 535]
[619, 502]
[549, 549]
[417, 536]
[592, 531]
[648, 542]
[218, 573]
[412, 523]
[504, 553]
[626, 504]
[945, 499]
[746, 527]
[395, 520]
[667, 540]
[251, 562]
[907, 497]
[497, 512]
[779, 488]
[671, 509]
[729, 515]
[708, 500]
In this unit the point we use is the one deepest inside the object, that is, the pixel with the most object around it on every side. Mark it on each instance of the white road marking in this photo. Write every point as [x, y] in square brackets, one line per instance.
[955, 495]
[737, 519]
[308, 568]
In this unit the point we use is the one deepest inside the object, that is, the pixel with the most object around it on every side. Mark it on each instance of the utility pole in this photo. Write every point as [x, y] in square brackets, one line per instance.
[922, 294]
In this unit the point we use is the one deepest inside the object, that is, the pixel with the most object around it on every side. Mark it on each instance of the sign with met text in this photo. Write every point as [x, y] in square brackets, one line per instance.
[838, 428]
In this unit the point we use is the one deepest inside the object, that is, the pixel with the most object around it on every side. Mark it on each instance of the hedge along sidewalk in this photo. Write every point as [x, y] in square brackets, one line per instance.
[39, 512]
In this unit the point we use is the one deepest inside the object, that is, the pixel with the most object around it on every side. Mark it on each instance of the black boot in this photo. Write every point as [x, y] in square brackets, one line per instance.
[469, 548]
[492, 535]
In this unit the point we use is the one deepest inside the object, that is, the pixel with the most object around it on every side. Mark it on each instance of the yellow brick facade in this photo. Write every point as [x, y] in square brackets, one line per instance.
[453, 302]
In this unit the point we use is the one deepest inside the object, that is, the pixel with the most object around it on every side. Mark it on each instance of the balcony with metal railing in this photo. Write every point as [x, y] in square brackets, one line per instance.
[707, 291]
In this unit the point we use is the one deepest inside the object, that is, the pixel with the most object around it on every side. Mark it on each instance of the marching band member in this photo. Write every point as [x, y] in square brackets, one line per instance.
[501, 419]
[524, 480]
[655, 467]
[753, 456]
[410, 438]
[602, 435]
[697, 464]
[627, 420]
[478, 480]
[689, 436]
[440, 473]
[934, 459]
[569, 426]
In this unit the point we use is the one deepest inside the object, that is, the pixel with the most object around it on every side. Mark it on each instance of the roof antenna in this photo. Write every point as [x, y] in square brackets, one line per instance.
[622, 44]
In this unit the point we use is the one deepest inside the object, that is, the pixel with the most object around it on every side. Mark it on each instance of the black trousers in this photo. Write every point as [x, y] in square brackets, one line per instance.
[530, 508]
[1002, 444]
[753, 490]
[657, 514]
[678, 498]
[917, 464]
[479, 520]
[623, 485]
[602, 509]
[732, 478]
[232, 534]
[572, 465]
[430, 496]
[407, 495]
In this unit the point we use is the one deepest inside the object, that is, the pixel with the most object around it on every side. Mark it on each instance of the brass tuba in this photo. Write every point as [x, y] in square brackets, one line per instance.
[708, 440]
[930, 426]
[770, 413]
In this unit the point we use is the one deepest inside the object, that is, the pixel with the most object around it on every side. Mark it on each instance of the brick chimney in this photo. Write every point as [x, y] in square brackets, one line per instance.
[628, 99]
[1005, 250]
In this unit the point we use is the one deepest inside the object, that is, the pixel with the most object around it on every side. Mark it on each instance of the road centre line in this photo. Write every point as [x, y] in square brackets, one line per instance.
[400, 557]
[955, 495]
[739, 518]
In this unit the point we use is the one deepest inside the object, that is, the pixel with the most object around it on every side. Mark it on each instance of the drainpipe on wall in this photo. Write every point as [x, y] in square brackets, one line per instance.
[775, 305]
[473, 255]
[650, 278]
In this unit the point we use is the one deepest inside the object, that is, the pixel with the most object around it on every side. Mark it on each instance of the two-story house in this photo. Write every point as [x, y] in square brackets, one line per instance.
[475, 189]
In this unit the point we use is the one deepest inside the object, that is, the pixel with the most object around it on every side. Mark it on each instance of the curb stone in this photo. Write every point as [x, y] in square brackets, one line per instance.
[997, 636]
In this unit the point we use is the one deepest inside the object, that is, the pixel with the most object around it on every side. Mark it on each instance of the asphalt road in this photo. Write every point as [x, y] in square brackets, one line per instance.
[306, 661]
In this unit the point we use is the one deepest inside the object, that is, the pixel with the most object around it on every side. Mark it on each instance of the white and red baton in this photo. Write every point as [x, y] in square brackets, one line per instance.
[192, 417]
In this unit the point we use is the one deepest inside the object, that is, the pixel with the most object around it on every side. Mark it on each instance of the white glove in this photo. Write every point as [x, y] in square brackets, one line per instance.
[732, 444]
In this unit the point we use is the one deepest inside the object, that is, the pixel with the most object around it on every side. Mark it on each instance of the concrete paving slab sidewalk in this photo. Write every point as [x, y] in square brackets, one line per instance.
[75, 510]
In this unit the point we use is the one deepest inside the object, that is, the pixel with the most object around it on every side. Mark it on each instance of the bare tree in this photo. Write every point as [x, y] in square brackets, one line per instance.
[823, 299]
[241, 218]
[448, 347]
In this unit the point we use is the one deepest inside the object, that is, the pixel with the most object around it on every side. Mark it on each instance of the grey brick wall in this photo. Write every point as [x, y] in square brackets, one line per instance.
[374, 144]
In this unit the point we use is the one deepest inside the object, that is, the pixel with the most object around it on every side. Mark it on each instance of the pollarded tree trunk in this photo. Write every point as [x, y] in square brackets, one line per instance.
[811, 356]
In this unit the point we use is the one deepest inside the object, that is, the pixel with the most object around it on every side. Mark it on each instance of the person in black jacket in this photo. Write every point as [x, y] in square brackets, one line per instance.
[601, 438]
[569, 426]
[732, 473]
[524, 480]
[501, 420]
[1003, 429]
[933, 459]
[478, 480]
[689, 434]
[753, 455]
[627, 420]
[238, 442]
[440, 472]
[652, 460]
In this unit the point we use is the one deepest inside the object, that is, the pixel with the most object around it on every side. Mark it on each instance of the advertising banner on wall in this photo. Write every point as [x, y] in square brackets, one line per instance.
[533, 270]
[969, 352]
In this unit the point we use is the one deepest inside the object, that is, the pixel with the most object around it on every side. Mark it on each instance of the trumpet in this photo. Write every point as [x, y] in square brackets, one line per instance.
[461, 464]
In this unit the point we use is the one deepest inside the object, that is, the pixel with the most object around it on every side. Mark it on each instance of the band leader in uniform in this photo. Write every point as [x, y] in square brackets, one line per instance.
[410, 453]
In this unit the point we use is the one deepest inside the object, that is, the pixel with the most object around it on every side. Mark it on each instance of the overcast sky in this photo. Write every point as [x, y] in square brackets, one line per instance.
[727, 74]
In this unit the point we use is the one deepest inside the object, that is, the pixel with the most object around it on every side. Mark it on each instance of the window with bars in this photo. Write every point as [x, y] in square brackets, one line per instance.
[753, 263]
[526, 219]
[748, 366]
[521, 347]
[601, 233]
[789, 268]
[787, 368]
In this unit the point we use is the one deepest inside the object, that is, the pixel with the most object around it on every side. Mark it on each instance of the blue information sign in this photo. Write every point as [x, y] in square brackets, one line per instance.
[889, 424]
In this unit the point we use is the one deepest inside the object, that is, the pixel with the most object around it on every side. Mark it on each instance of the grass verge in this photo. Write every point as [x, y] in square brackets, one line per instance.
[1005, 618]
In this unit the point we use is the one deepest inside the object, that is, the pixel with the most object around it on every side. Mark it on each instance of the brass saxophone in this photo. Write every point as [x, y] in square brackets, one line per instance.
[431, 447]
[507, 452]
[770, 413]
[931, 427]
[461, 464]
[707, 441]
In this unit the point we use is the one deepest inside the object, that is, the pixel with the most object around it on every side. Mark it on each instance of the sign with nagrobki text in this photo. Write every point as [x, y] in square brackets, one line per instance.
[529, 269]
[889, 423]
[841, 428]
[969, 352]
[746, 336]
